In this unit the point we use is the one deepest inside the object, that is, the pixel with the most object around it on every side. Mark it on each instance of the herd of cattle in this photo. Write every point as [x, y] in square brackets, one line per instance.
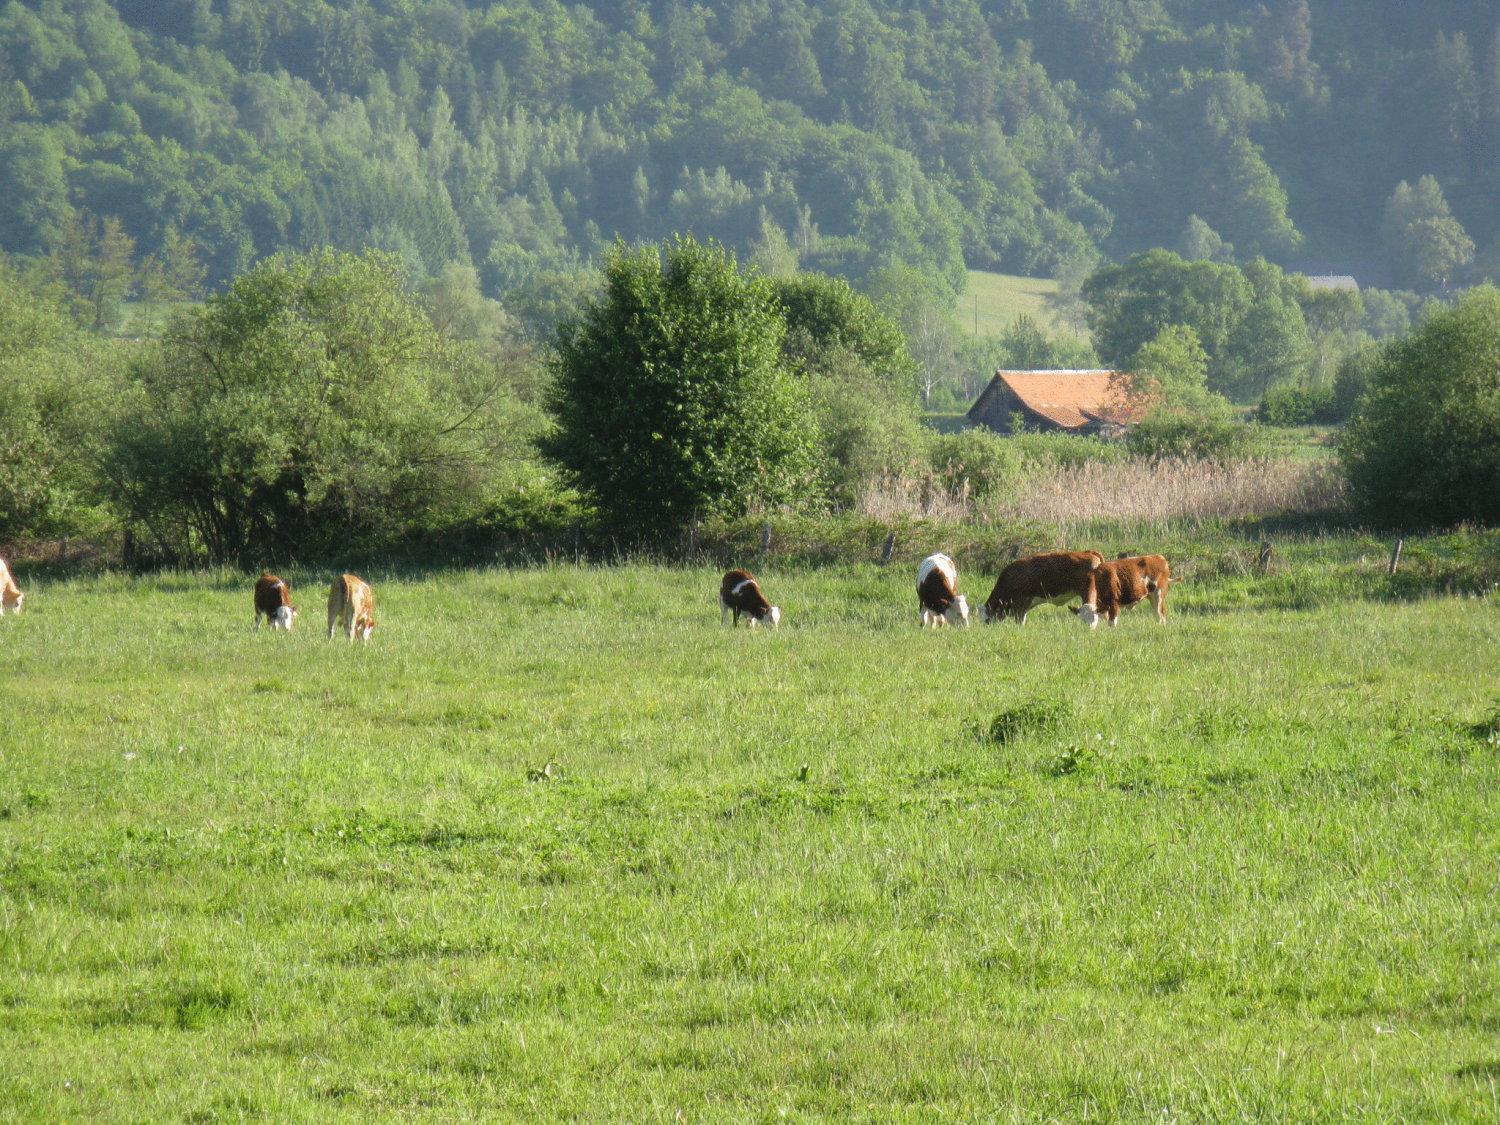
[1102, 588]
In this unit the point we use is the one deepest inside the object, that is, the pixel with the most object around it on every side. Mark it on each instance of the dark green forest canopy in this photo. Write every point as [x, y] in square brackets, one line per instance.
[524, 136]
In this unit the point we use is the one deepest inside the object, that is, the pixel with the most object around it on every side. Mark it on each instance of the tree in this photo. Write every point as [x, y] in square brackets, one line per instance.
[311, 408]
[59, 395]
[1423, 446]
[1170, 372]
[1201, 243]
[670, 395]
[1423, 239]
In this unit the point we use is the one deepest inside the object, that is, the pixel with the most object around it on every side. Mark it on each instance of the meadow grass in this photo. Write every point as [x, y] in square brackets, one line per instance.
[992, 301]
[556, 844]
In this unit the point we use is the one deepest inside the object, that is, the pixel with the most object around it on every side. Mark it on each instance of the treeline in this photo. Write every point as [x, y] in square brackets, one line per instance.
[846, 136]
[323, 406]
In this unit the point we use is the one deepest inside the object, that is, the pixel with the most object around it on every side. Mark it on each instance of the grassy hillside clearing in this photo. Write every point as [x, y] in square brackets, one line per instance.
[1241, 866]
[998, 298]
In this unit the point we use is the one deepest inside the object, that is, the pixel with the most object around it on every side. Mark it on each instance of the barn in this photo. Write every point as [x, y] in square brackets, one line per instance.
[1076, 402]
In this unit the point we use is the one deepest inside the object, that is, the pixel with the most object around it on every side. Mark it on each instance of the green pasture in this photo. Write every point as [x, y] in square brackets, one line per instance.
[992, 302]
[556, 844]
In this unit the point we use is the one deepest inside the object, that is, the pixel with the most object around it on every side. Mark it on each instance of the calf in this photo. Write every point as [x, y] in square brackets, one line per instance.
[937, 593]
[273, 601]
[351, 603]
[11, 597]
[739, 593]
[1120, 584]
[1054, 578]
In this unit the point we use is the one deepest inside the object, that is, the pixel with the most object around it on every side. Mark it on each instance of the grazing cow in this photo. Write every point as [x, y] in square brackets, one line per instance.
[11, 597]
[1054, 578]
[351, 603]
[273, 601]
[740, 593]
[937, 592]
[1120, 584]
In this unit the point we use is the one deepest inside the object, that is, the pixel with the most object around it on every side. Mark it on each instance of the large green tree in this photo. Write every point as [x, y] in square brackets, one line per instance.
[313, 408]
[671, 396]
[1423, 446]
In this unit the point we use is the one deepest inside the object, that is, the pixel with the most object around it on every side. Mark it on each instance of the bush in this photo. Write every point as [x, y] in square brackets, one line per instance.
[1424, 443]
[672, 398]
[310, 410]
[1289, 405]
[989, 464]
[1171, 434]
[58, 394]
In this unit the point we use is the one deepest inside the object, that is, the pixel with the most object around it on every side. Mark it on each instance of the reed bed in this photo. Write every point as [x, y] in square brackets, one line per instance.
[1176, 490]
[1136, 491]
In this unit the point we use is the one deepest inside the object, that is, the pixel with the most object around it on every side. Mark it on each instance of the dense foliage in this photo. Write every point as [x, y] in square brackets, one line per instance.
[671, 396]
[1424, 444]
[56, 396]
[847, 135]
[313, 407]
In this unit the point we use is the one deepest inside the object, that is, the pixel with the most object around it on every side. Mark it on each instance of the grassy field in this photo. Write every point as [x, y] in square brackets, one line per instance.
[992, 302]
[555, 844]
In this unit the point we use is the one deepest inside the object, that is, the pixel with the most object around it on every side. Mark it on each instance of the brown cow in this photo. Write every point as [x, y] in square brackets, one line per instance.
[351, 603]
[1054, 578]
[1120, 584]
[11, 597]
[937, 593]
[273, 601]
[739, 593]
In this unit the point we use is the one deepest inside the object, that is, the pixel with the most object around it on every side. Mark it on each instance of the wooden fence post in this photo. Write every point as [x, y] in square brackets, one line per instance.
[1266, 551]
[577, 543]
[1395, 556]
[765, 541]
[888, 549]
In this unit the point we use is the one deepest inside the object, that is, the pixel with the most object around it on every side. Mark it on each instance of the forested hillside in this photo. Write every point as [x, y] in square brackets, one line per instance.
[847, 135]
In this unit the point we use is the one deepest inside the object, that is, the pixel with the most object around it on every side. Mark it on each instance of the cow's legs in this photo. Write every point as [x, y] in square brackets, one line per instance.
[723, 612]
[1159, 599]
[333, 619]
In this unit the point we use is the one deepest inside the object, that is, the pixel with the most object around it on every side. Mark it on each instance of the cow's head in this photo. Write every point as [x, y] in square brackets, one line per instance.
[364, 627]
[773, 615]
[283, 618]
[1087, 614]
[958, 612]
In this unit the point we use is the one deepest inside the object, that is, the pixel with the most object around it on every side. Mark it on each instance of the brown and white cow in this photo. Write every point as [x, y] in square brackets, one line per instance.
[1121, 584]
[11, 597]
[273, 601]
[937, 593]
[351, 604]
[739, 593]
[1053, 578]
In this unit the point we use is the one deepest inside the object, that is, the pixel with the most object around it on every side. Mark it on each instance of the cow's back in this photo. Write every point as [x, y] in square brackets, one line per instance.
[937, 582]
[1045, 576]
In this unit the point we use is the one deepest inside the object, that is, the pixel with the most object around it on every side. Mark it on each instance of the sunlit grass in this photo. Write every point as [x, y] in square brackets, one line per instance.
[1240, 866]
[992, 302]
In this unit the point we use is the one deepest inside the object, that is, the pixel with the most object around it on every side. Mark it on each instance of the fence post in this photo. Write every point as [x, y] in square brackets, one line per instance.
[1395, 556]
[577, 543]
[1266, 551]
[765, 541]
[888, 549]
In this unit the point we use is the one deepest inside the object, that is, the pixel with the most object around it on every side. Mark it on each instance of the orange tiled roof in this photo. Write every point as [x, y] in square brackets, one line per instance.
[1070, 398]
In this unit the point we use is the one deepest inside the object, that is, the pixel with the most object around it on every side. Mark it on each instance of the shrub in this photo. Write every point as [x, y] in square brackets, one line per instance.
[977, 463]
[1424, 443]
[1174, 434]
[1289, 405]
[671, 395]
[312, 408]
